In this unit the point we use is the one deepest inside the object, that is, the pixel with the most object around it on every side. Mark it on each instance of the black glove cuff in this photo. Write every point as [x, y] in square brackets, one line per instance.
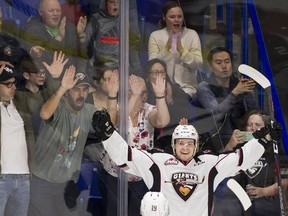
[108, 134]
[264, 142]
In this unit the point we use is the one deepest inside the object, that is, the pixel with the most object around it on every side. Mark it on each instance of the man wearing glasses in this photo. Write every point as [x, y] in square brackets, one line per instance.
[16, 146]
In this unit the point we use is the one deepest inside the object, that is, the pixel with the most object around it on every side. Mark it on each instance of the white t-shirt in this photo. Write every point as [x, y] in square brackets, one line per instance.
[14, 154]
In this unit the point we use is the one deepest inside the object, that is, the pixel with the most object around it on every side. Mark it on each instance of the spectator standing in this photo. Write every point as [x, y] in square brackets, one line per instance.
[16, 147]
[60, 146]
[178, 46]
[228, 97]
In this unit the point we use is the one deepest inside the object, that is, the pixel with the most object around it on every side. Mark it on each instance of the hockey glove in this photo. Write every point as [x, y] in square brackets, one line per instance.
[102, 124]
[276, 131]
[262, 132]
[269, 133]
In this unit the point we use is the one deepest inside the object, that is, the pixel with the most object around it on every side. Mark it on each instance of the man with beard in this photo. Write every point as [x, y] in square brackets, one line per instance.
[62, 136]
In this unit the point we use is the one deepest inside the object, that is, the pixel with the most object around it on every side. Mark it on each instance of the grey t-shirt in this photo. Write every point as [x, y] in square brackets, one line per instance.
[60, 144]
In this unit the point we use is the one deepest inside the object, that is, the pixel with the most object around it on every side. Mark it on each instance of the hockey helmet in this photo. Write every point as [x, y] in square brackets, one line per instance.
[185, 132]
[154, 204]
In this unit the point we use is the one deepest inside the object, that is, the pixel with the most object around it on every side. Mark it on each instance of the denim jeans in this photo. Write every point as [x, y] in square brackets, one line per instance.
[14, 194]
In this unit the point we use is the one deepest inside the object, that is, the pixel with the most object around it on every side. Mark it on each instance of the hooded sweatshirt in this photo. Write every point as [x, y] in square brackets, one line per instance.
[103, 35]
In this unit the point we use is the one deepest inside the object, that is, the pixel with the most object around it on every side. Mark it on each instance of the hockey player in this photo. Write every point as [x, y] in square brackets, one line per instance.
[187, 178]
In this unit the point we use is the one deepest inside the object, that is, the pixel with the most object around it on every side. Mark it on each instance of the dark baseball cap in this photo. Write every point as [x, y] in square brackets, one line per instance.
[10, 49]
[81, 72]
[7, 73]
[83, 80]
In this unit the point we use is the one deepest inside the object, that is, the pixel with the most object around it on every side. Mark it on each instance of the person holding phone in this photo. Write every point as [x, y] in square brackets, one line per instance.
[259, 181]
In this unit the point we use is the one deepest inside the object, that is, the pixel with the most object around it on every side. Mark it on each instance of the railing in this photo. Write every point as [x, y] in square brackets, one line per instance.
[264, 60]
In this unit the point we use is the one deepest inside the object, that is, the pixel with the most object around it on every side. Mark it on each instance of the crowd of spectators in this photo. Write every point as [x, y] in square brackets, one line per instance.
[62, 65]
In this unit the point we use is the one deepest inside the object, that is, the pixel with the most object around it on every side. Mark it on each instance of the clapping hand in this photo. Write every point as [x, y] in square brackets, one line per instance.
[169, 42]
[62, 30]
[81, 25]
[180, 48]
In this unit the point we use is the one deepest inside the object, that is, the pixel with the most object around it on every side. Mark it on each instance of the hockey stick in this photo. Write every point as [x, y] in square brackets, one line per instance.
[240, 193]
[262, 81]
[255, 75]
[266, 85]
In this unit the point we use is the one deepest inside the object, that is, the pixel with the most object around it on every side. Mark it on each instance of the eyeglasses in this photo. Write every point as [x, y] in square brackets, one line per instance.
[39, 74]
[188, 144]
[156, 73]
[10, 84]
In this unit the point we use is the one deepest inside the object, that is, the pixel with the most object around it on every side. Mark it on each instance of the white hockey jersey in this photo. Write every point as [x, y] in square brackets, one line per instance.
[188, 187]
